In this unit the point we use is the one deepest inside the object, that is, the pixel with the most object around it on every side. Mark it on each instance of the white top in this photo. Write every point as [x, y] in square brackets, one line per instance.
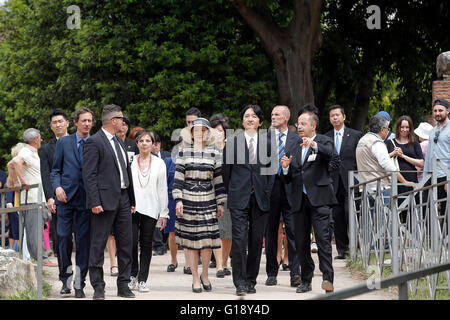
[31, 172]
[111, 141]
[152, 197]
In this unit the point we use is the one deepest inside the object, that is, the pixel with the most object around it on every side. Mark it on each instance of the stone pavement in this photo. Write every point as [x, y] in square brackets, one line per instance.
[177, 286]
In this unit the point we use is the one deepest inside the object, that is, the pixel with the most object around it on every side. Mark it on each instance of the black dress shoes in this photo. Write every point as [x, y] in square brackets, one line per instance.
[340, 257]
[65, 289]
[206, 287]
[99, 294]
[251, 289]
[271, 281]
[304, 287]
[241, 291]
[79, 293]
[125, 293]
[296, 281]
[196, 290]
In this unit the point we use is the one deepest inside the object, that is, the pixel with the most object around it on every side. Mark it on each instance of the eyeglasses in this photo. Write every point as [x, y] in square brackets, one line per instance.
[117, 118]
[436, 136]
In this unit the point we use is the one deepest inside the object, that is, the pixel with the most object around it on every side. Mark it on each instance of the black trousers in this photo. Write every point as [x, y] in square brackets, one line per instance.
[319, 218]
[143, 228]
[118, 220]
[248, 227]
[340, 217]
[279, 205]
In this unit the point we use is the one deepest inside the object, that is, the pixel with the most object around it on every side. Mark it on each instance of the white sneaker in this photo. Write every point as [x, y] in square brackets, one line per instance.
[132, 284]
[143, 287]
[314, 248]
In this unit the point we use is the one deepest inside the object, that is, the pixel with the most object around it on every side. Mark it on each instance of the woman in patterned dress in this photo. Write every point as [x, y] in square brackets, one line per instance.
[199, 194]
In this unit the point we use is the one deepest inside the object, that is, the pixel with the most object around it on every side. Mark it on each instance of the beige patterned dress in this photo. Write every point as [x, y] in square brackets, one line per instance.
[198, 184]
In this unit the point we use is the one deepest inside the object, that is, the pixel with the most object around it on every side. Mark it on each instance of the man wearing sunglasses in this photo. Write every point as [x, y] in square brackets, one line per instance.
[439, 146]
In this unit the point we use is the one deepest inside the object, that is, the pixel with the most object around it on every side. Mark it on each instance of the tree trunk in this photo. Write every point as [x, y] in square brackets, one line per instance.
[365, 90]
[291, 49]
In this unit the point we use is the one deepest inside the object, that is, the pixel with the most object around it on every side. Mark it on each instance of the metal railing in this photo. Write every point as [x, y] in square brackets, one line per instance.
[40, 226]
[403, 231]
[400, 281]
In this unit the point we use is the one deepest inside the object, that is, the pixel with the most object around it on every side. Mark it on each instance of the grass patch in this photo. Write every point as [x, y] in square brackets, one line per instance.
[356, 267]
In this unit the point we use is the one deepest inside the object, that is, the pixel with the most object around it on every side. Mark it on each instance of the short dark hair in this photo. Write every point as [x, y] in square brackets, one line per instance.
[157, 137]
[144, 132]
[108, 109]
[257, 109]
[312, 110]
[57, 112]
[336, 106]
[79, 111]
[194, 112]
[219, 119]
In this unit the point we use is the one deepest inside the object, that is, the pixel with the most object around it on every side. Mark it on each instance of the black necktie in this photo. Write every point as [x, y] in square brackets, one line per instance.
[122, 162]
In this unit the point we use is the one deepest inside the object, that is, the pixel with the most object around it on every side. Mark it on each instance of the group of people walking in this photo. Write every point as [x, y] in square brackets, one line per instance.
[219, 191]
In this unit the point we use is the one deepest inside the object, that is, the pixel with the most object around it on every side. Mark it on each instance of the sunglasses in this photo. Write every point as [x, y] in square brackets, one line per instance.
[436, 136]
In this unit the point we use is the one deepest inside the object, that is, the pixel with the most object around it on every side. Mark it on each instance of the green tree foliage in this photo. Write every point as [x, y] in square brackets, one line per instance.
[154, 58]
[391, 68]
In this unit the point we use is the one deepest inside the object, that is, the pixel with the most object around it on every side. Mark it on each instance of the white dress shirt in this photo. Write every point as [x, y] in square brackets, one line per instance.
[124, 155]
[255, 141]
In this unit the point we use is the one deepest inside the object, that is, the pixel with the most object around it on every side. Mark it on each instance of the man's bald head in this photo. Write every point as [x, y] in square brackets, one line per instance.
[280, 117]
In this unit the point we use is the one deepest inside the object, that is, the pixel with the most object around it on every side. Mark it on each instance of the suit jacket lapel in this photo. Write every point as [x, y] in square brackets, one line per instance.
[345, 138]
[109, 147]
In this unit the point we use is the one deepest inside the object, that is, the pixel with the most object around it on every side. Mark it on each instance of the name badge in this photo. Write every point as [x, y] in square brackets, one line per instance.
[312, 157]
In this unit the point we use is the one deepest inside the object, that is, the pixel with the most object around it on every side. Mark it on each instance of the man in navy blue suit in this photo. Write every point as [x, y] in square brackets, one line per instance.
[67, 182]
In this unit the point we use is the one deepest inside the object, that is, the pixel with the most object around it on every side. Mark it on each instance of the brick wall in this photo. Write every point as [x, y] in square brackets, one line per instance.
[441, 90]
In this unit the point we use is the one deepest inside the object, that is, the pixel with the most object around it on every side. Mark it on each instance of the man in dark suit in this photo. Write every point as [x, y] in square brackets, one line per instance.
[345, 141]
[247, 178]
[280, 204]
[307, 171]
[67, 182]
[59, 125]
[110, 196]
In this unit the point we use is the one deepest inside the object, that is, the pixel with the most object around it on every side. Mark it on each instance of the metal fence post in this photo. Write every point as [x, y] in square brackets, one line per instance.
[40, 232]
[352, 215]
[395, 228]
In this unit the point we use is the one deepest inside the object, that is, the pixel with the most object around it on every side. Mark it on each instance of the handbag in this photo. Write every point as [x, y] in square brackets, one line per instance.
[395, 158]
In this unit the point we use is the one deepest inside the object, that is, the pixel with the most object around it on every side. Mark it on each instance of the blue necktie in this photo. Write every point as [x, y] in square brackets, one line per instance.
[280, 151]
[337, 145]
[80, 151]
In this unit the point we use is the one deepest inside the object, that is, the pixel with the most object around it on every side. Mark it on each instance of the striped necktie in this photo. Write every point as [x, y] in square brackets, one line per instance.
[280, 151]
[251, 152]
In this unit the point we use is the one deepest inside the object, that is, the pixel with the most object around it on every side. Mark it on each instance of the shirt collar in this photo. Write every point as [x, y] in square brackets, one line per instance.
[340, 131]
[108, 135]
[248, 137]
[285, 132]
[80, 138]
